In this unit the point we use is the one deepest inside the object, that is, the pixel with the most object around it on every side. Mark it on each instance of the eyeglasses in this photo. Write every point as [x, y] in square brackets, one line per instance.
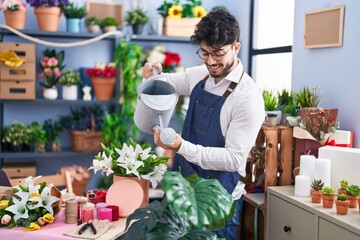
[217, 55]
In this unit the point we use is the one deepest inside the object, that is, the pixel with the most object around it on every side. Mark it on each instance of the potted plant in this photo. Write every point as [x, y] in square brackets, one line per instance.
[38, 137]
[271, 104]
[343, 185]
[192, 209]
[342, 204]
[308, 98]
[48, 13]
[315, 192]
[137, 18]
[353, 193]
[15, 13]
[292, 110]
[51, 65]
[103, 79]
[328, 197]
[73, 15]
[92, 24]
[70, 81]
[53, 130]
[109, 24]
[18, 134]
[113, 128]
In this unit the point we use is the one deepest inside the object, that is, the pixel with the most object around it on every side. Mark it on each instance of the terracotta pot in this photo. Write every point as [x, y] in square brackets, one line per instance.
[128, 193]
[15, 19]
[315, 196]
[359, 205]
[353, 201]
[341, 191]
[103, 87]
[48, 18]
[342, 207]
[328, 200]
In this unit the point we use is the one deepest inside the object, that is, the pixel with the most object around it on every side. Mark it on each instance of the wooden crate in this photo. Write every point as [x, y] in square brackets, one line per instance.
[179, 27]
[20, 170]
[271, 166]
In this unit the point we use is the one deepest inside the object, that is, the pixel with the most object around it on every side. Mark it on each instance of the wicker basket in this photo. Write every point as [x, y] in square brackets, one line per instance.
[85, 141]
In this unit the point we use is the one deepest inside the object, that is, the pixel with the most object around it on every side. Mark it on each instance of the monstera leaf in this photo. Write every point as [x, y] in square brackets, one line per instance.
[191, 208]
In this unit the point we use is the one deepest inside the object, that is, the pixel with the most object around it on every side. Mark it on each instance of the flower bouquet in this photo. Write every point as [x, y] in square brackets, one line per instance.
[31, 206]
[15, 13]
[131, 160]
[170, 61]
[51, 64]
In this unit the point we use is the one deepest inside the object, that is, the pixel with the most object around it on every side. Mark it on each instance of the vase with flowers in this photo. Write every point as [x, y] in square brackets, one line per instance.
[51, 64]
[180, 20]
[32, 206]
[14, 12]
[103, 79]
[132, 166]
[48, 13]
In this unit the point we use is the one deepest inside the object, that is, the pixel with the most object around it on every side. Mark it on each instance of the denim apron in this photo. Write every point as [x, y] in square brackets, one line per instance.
[202, 126]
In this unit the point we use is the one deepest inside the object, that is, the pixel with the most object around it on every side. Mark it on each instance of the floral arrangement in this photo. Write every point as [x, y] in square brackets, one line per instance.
[47, 3]
[70, 78]
[130, 159]
[12, 5]
[170, 61]
[31, 206]
[173, 9]
[102, 70]
[51, 65]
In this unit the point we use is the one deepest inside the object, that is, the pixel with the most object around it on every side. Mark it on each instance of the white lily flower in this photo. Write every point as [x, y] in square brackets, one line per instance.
[19, 208]
[131, 165]
[44, 200]
[104, 165]
[156, 176]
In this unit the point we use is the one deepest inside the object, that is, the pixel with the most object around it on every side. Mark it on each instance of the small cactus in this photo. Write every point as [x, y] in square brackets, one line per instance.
[317, 185]
[342, 197]
[343, 184]
[328, 191]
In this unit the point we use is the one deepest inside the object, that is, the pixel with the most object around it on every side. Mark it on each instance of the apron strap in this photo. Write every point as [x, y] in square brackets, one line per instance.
[232, 86]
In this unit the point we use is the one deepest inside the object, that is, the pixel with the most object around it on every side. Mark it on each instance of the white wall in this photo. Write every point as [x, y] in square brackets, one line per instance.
[335, 70]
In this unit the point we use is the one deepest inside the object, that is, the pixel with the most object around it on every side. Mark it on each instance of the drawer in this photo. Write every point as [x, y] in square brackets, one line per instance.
[20, 170]
[331, 231]
[283, 214]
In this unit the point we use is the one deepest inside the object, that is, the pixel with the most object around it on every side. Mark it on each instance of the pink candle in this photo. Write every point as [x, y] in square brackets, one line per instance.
[98, 207]
[87, 212]
[105, 213]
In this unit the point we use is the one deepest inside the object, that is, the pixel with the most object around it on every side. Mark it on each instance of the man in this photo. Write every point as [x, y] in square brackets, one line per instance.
[225, 112]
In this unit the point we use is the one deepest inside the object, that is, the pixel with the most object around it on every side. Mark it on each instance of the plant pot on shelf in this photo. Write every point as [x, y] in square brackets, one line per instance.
[73, 25]
[48, 18]
[353, 201]
[328, 200]
[70, 92]
[93, 28]
[15, 19]
[342, 207]
[50, 93]
[137, 29]
[39, 147]
[109, 28]
[103, 87]
[271, 121]
[315, 196]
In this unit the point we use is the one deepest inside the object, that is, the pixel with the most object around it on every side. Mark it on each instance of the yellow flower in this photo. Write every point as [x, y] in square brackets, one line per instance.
[4, 204]
[48, 218]
[199, 11]
[33, 226]
[175, 11]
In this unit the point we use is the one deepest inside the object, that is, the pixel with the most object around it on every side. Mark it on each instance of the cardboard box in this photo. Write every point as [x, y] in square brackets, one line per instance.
[345, 164]
[11, 89]
[180, 27]
[20, 170]
[23, 50]
[26, 71]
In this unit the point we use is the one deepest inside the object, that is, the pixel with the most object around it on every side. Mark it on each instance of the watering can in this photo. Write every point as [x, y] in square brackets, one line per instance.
[157, 98]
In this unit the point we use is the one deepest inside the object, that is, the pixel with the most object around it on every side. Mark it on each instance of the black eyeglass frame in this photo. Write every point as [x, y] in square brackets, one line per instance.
[218, 57]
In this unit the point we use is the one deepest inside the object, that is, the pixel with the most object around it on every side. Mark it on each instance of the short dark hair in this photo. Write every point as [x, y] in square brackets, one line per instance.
[218, 28]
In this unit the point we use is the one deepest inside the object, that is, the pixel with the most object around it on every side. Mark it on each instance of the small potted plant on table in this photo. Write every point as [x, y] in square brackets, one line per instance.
[18, 134]
[342, 204]
[39, 137]
[315, 192]
[70, 81]
[73, 15]
[328, 197]
[343, 185]
[353, 193]
[271, 104]
[137, 18]
[109, 24]
[93, 24]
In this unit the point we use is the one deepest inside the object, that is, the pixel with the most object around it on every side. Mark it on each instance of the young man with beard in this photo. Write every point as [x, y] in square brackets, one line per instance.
[225, 112]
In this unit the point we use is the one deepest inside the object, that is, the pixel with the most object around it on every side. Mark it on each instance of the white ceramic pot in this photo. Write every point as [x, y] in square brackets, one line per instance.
[93, 28]
[109, 28]
[50, 93]
[70, 92]
[278, 112]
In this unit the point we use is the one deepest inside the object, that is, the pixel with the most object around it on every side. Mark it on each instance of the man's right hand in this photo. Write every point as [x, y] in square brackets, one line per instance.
[147, 70]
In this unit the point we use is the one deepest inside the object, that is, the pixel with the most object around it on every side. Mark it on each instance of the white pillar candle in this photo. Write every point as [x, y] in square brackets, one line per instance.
[323, 170]
[302, 186]
[307, 166]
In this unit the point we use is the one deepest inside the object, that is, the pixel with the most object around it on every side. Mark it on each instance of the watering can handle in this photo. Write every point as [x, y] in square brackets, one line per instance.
[155, 71]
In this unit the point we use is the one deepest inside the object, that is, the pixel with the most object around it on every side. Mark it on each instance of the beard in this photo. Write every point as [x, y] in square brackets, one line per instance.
[224, 72]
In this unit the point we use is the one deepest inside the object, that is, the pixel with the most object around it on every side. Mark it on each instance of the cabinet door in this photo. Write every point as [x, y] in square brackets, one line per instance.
[330, 231]
[289, 222]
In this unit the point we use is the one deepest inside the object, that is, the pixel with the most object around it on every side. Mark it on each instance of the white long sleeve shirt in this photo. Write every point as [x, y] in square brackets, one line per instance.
[241, 117]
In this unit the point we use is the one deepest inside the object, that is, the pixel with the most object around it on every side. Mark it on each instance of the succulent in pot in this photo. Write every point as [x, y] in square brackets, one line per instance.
[353, 193]
[92, 24]
[342, 204]
[343, 185]
[109, 24]
[271, 104]
[328, 197]
[315, 192]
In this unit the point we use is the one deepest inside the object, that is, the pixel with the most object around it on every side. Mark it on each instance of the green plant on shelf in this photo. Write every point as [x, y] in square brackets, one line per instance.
[343, 184]
[342, 197]
[17, 133]
[70, 78]
[74, 11]
[270, 100]
[53, 130]
[308, 98]
[92, 20]
[136, 16]
[328, 191]
[38, 133]
[317, 185]
[353, 190]
[109, 21]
